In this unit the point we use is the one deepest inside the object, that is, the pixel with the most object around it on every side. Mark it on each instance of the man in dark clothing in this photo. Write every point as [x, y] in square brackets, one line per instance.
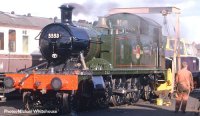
[184, 84]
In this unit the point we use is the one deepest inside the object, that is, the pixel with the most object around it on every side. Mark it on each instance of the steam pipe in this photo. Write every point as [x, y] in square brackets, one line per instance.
[83, 61]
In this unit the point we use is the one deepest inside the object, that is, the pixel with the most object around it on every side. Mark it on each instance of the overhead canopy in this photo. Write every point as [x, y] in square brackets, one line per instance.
[145, 10]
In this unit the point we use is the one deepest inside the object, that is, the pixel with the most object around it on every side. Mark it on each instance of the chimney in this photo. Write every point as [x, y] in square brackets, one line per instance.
[55, 19]
[29, 14]
[102, 23]
[13, 12]
[66, 14]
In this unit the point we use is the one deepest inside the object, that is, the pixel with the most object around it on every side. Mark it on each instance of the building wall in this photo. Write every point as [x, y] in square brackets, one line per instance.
[33, 45]
[14, 61]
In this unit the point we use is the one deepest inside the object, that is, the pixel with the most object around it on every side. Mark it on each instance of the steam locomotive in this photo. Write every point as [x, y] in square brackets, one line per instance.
[117, 61]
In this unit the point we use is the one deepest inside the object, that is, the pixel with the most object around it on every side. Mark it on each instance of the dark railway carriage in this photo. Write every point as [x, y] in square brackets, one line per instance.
[86, 67]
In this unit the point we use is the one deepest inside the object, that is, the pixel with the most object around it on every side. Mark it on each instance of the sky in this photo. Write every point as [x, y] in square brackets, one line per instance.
[91, 9]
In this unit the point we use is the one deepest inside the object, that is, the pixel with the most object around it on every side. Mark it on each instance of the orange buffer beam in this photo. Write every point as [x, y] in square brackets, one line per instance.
[43, 81]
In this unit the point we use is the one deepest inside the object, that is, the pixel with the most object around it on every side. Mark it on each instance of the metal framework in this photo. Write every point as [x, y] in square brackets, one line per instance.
[145, 10]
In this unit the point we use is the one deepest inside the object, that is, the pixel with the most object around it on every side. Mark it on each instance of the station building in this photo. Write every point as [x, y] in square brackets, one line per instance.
[19, 47]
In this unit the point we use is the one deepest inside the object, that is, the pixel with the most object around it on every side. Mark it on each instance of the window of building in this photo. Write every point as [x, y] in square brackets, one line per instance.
[12, 41]
[1, 41]
[25, 44]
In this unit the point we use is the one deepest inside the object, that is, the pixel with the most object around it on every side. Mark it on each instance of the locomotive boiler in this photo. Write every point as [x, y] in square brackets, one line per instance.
[117, 61]
[61, 41]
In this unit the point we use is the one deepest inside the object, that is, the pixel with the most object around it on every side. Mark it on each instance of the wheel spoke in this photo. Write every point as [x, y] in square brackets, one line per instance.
[27, 101]
[147, 94]
[118, 99]
[135, 95]
[65, 103]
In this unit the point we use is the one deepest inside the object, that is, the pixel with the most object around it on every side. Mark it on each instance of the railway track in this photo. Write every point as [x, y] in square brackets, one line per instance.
[142, 108]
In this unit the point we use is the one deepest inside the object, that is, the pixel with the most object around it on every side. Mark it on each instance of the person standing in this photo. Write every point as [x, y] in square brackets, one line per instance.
[184, 84]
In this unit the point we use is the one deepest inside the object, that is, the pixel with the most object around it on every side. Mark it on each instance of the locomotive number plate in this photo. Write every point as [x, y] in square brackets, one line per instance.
[53, 35]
